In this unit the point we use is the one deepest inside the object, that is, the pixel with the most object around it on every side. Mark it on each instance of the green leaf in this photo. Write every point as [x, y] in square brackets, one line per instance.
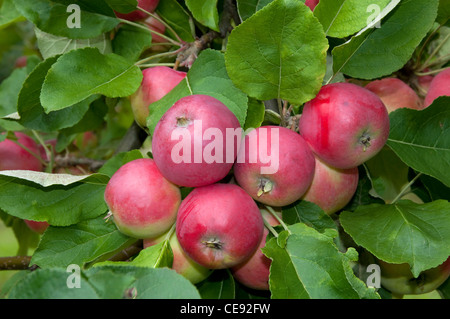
[93, 73]
[308, 213]
[404, 232]
[422, 138]
[378, 52]
[130, 42]
[78, 244]
[8, 13]
[57, 204]
[247, 8]
[219, 285]
[52, 17]
[177, 17]
[279, 52]
[208, 76]
[255, 114]
[122, 6]
[50, 45]
[443, 17]
[205, 12]
[310, 266]
[341, 18]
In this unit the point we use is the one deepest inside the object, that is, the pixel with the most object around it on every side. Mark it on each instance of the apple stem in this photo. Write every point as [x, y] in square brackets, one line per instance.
[435, 51]
[432, 72]
[419, 56]
[275, 215]
[406, 188]
[163, 22]
[137, 25]
[269, 227]
[156, 56]
[48, 152]
[156, 64]
[31, 152]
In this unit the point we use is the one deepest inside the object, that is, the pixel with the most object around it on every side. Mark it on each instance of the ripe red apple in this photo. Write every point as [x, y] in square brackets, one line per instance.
[142, 202]
[219, 226]
[440, 86]
[15, 157]
[194, 143]
[38, 227]
[398, 278]
[345, 124]
[332, 188]
[395, 94]
[147, 5]
[254, 272]
[182, 263]
[311, 4]
[156, 83]
[274, 165]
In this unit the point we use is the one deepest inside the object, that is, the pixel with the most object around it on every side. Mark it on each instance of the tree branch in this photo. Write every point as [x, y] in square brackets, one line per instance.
[15, 263]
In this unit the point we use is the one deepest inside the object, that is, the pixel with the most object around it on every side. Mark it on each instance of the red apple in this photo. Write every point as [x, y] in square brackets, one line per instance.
[194, 143]
[182, 263]
[156, 25]
[219, 226]
[398, 278]
[142, 202]
[395, 94]
[21, 62]
[440, 86]
[311, 4]
[254, 272]
[345, 124]
[15, 157]
[38, 227]
[147, 5]
[156, 83]
[332, 188]
[274, 165]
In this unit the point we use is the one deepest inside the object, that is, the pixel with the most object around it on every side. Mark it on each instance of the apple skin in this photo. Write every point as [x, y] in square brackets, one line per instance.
[38, 227]
[439, 86]
[398, 278]
[14, 157]
[395, 94]
[156, 25]
[185, 116]
[254, 272]
[295, 166]
[332, 188]
[182, 263]
[311, 4]
[136, 15]
[156, 83]
[345, 124]
[219, 226]
[142, 202]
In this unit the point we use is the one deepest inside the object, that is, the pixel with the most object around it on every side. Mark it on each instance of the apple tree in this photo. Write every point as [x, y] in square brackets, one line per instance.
[349, 100]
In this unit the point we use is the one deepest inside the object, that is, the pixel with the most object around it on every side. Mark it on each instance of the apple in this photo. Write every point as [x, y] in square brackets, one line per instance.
[156, 83]
[332, 188]
[143, 204]
[194, 143]
[440, 86]
[398, 278]
[16, 157]
[156, 25]
[182, 263]
[219, 225]
[147, 5]
[423, 82]
[21, 62]
[38, 227]
[345, 124]
[278, 179]
[254, 272]
[311, 4]
[395, 94]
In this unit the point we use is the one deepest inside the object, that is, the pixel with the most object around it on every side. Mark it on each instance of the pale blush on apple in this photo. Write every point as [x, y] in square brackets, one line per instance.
[156, 83]
[37, 226]
[254, 272]
[332, 188]
[156, 25]
[219, 226]
[181, 263]
[142, 202]
[288, 165]
[398, 278]
[345, 124]
[395, 94]
[136, 15]
[191, 143]
[439, 86]
[16, 157]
